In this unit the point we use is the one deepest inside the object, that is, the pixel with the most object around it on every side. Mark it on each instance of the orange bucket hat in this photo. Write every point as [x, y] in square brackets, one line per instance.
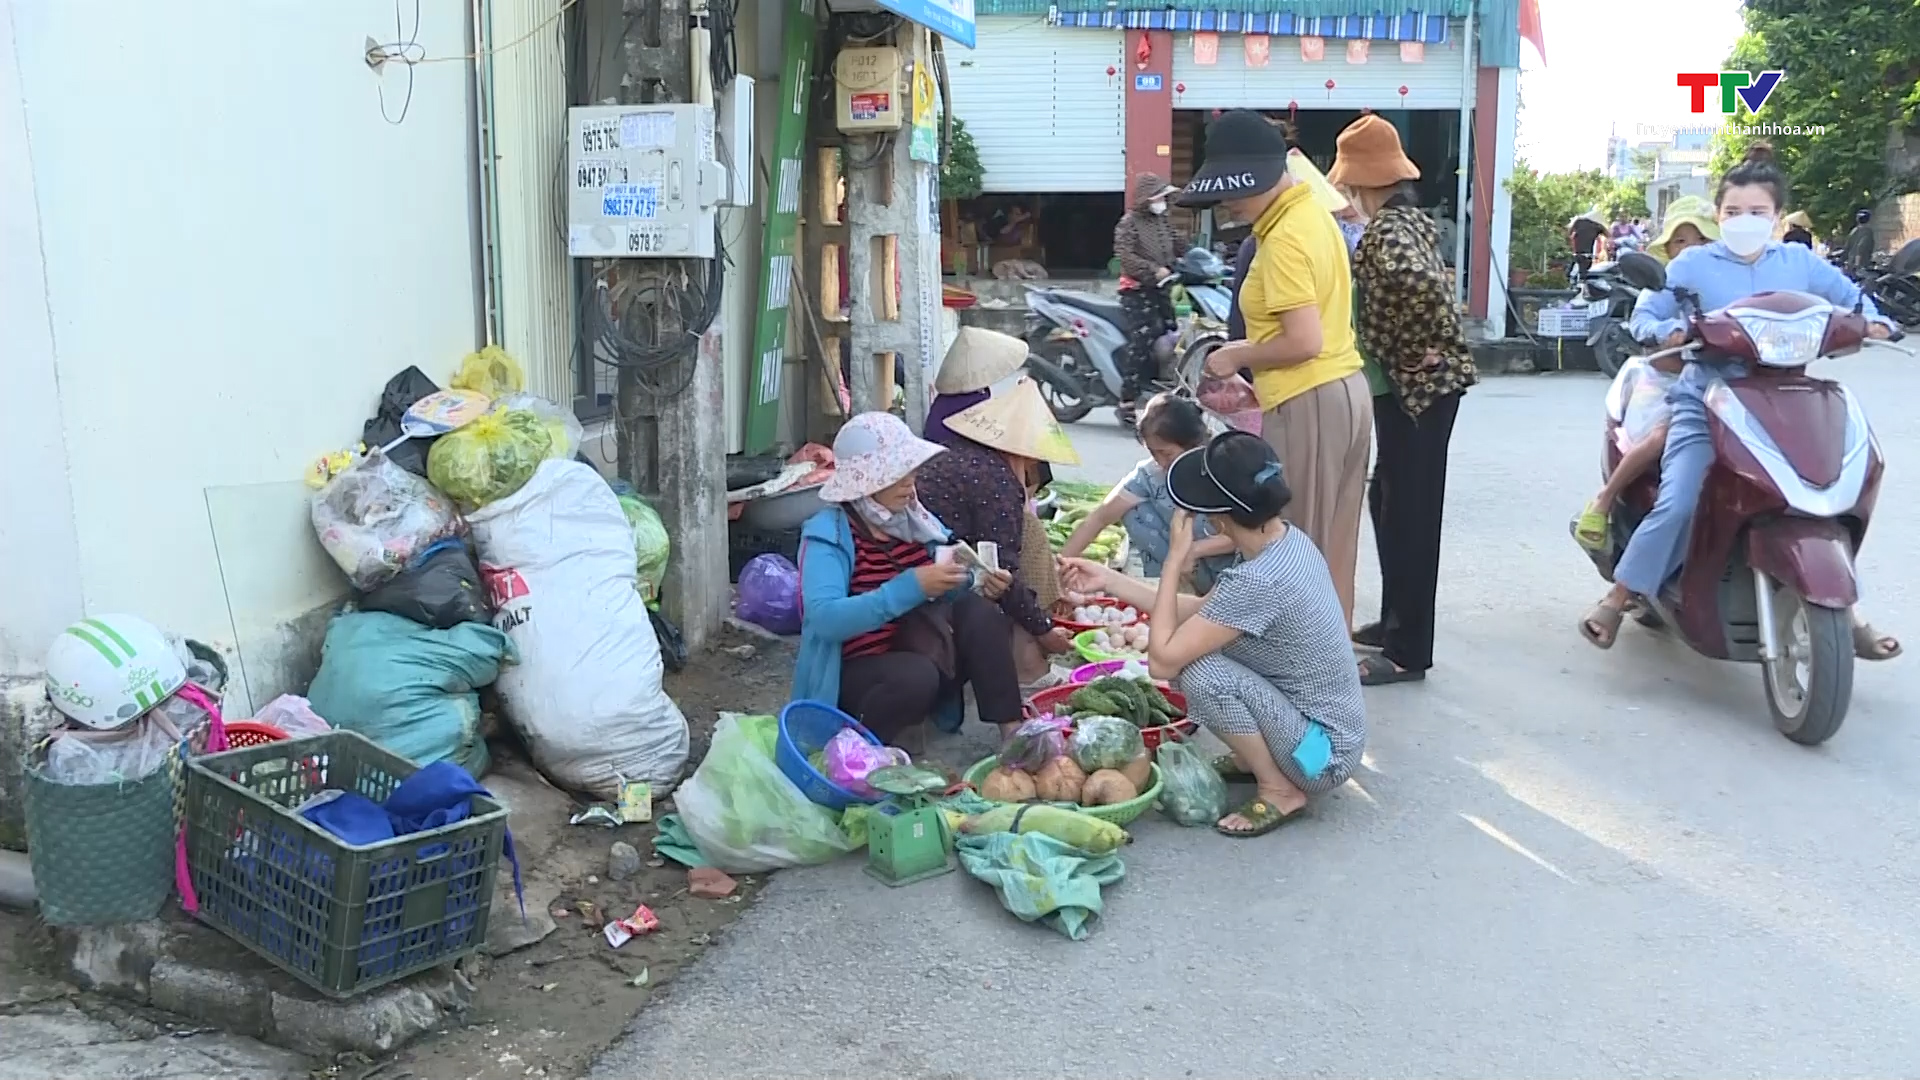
[1368, 155]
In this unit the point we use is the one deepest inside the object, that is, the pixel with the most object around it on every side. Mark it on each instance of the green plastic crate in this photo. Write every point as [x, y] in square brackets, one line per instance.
[341, 918]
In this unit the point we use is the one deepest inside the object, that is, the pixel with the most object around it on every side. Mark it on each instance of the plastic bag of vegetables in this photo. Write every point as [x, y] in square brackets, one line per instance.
[1191, 792]
[1036, 742]
[1104, 742]
[491, 458]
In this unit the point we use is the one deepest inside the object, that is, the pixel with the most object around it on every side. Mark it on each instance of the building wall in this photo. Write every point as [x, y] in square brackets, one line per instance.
[216, 250]
[1149, 111]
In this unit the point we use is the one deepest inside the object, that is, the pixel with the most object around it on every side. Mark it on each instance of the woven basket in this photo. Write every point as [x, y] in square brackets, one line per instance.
[101, 853]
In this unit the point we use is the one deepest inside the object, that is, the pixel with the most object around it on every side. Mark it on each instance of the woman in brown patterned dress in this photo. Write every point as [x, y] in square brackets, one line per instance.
[1411, 336]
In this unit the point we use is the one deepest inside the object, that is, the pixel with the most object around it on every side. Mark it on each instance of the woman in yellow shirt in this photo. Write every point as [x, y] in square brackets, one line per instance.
[1298, 304]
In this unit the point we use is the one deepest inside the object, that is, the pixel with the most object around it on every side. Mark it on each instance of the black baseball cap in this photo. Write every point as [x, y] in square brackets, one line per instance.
[1223, 476]
[1246, 154]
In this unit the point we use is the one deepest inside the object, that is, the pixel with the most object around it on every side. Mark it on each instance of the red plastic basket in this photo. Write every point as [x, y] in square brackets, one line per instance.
[244, 733]
[1045, 700]
[1072, 627]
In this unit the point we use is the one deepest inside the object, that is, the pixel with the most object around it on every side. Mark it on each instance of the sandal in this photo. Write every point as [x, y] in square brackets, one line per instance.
[1229, 769]
[1380, 671]
[1590, 529]
[1371, 636]
[1602, 625]
[1870, 644]
[1264, 816]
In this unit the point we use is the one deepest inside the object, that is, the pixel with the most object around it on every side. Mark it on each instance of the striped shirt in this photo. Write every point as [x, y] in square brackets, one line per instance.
[876, 562]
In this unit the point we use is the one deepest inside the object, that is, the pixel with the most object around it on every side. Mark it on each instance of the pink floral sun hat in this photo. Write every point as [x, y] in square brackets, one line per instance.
[873, 451]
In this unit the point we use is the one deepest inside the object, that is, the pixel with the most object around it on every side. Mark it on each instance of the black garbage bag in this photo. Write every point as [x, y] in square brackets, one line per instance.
[402, 391]
[440, 589]
[673, 647]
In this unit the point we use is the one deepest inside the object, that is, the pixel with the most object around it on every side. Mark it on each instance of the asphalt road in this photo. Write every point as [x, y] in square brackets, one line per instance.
[1558, 862]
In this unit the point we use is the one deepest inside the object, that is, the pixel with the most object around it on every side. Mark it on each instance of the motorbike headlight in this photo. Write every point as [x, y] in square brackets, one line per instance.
[1785, 340]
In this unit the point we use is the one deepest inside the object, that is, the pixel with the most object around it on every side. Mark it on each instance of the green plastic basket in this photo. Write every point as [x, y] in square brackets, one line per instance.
[1083, 643]
[340, 918]
[1119, 813]
[101, 853]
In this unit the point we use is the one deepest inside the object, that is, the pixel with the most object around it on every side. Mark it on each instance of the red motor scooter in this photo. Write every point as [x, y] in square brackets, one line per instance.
[1769, 573]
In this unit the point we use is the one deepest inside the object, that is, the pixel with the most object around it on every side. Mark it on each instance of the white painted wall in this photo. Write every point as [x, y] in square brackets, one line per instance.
[235, 251]
[1505, 131]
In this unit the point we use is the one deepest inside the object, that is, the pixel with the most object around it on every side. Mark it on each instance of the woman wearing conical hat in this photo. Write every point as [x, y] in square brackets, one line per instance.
[1001, 439]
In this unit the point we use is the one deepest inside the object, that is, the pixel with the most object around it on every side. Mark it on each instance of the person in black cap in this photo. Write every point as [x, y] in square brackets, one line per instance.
[1263, 658]
[1297, 302]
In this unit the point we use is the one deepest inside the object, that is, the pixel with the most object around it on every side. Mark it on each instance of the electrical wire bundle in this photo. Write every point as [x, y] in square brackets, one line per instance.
[619, 317]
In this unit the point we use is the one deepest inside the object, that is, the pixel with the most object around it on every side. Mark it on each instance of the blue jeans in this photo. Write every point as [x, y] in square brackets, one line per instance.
[1659, 545]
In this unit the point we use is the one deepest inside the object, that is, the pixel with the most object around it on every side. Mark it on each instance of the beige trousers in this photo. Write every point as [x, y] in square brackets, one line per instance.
[1324, 438]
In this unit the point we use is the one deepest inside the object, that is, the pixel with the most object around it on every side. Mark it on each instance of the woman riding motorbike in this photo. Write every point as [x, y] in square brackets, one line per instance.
[1745, 260]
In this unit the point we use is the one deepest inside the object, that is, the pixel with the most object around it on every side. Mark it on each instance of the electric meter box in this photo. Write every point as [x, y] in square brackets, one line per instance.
[642, 182]
[870, 90]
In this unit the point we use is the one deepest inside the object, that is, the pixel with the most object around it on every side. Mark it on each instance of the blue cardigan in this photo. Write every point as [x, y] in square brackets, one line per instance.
[828, 615]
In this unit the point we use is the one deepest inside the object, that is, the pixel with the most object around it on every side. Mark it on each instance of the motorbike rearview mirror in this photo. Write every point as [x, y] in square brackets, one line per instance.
[1643, 271]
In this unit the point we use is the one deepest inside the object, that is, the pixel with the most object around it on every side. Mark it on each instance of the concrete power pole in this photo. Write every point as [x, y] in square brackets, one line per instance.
[673, 445]
[890, 213]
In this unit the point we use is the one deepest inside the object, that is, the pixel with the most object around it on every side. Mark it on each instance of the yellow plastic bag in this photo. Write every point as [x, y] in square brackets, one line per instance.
[491, 458]
[491, 372]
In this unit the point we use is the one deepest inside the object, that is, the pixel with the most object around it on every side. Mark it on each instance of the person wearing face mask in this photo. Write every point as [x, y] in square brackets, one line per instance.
[1745, 260]
[888, 631]
[1147, 246]
[1297, 301]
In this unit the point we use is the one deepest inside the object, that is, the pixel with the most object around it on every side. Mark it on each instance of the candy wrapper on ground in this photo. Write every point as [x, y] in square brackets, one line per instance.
[1036, 742]
[376, 517]
[850, 759]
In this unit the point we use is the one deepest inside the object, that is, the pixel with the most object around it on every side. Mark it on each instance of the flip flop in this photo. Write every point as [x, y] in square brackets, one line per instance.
[1871, 644]
[1379, 671]
[1229, 769]
[1607, 621]
[1371, 636]
[1264, 815]
[1590, 529]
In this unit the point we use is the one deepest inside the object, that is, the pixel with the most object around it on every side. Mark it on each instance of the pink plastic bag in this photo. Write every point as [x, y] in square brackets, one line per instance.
[1233, 400]
[1036, 742]
[851, 758]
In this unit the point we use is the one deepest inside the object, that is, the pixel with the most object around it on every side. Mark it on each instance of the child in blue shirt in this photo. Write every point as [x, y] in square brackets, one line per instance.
[1169, 426]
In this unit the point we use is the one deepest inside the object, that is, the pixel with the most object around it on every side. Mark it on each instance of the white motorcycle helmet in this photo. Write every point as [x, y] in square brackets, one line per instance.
[105, 671]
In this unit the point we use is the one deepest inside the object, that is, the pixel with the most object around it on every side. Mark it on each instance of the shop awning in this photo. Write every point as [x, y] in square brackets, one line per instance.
[1431, 29]
[1382, 20]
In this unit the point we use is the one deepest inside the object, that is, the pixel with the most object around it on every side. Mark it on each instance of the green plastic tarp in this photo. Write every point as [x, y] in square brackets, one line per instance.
[1041, 879]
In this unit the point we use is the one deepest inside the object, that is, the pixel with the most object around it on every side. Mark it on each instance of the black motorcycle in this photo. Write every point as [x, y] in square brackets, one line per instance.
[1893, 283]
[1610, 299]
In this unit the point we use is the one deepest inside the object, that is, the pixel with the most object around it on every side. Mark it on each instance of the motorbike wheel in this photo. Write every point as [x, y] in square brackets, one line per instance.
[1614, 348]
[1051, 365]
[1810, 686]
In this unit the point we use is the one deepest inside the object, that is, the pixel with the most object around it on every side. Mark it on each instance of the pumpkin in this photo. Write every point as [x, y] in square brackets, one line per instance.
[1107, 787]
[1007, 785]
[1060, 780]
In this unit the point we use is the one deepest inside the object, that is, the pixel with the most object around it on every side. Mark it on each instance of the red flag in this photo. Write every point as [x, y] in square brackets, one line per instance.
[1530, 29]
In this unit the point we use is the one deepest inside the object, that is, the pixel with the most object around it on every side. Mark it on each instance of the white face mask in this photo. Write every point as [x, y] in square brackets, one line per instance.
[1158, 206]
[1746, 234]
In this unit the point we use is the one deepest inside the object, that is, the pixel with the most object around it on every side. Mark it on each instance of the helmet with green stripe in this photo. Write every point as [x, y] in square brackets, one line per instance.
[107, 670]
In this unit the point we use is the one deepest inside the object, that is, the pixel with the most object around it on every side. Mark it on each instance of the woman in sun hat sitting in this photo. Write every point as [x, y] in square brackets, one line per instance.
[1263, 659]
[887, 631]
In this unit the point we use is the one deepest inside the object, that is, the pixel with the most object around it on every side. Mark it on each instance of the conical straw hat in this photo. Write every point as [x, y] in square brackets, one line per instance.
[977, 359]
[1303, 171]
[1017, 422]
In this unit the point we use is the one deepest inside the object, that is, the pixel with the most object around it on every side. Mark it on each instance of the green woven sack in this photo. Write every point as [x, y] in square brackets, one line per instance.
[101, 853]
